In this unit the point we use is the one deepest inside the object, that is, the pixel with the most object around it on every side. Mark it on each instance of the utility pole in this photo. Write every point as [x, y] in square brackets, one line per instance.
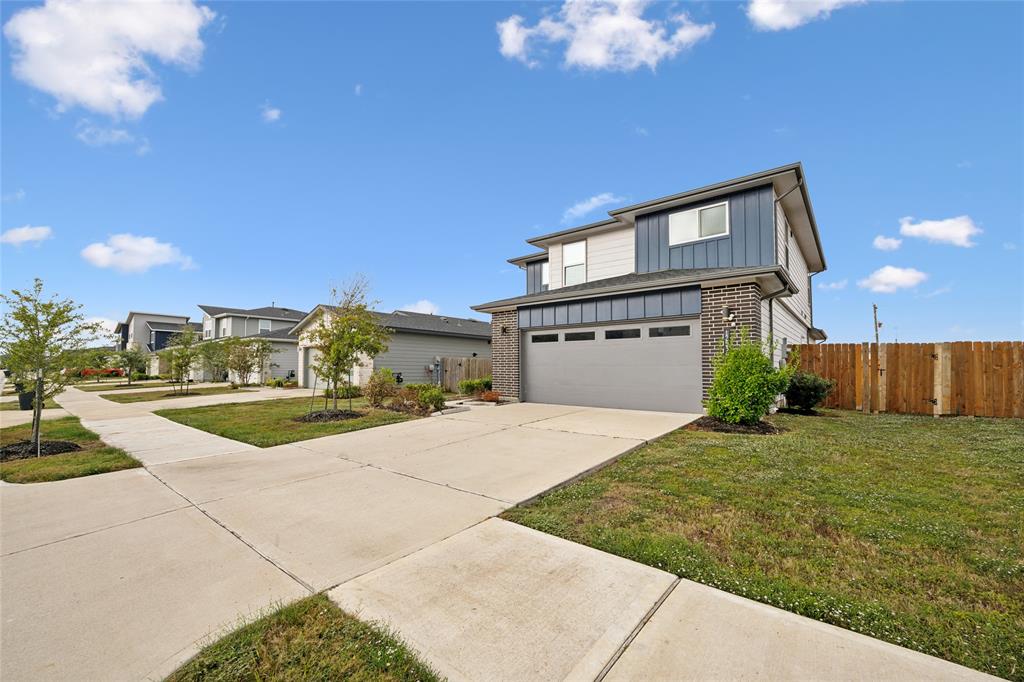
[874, 310]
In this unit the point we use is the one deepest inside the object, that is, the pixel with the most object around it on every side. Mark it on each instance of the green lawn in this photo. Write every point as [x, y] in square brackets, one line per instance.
[311, 639]
[120, 386]
[13, 405]
[157, 395]
[908, 529]
[96, 457]
[266, 423]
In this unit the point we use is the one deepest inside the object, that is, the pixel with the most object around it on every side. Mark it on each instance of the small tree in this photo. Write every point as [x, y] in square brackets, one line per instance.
[241, 360]
[213, 355]
[131, 360]
[40, 338]
[183, 353]
[346, 333]
[746, 382]
[262, 351]
[99, 360]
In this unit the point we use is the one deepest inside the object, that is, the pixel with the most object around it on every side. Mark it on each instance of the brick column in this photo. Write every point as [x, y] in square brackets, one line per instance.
[745, 302]
[505, 353]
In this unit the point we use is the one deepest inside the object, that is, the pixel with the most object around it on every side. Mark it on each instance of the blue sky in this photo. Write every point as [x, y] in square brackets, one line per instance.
[275, 149]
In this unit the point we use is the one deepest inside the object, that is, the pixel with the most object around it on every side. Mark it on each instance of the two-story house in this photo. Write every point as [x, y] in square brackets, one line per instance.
[148, 332]
[270, 322]
[628, 312]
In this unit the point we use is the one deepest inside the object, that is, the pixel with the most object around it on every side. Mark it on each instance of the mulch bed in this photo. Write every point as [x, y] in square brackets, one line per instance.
[23, 449]
[761, 428]
[328, 416]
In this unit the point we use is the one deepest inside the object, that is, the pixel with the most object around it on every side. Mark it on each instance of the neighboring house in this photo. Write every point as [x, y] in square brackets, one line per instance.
[628, 312]
[272, 323]
[151, 332]
[417, 341]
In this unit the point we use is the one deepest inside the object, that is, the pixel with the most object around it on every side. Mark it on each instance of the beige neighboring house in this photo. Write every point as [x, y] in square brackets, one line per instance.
[417, 341]
[272, 323]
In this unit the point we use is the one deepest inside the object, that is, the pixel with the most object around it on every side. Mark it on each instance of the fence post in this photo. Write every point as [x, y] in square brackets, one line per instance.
[883, 365]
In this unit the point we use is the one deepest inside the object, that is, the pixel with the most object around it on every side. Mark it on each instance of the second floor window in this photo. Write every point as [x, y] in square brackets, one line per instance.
[264, 326]
[574, 263]
[698, 223]
[544, 274]
[224, 328]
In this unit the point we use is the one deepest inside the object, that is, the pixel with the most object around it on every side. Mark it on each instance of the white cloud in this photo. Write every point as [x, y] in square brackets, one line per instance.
[965, 164]
[779, 15]
[582, 208]
[131, 253]
[26, 235]
[889, 279]
[269, 113]
[422, 306]
[16, 195]
[956, 231]
[939, 292]
[602, 34]
[1009, 246]
[833, 286]
[98, 136]
[358, 89]
[886, 243]
[641, 131]
[95, 54]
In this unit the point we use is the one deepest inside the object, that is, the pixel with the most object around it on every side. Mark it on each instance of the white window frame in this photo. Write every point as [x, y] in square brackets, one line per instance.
[545, 274]
[566, 266]
[697, 210]
[223, 328]
[259, 326]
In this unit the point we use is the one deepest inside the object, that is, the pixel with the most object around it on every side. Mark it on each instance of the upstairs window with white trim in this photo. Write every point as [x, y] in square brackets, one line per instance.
[699, 223]
[224, 328]
[264, 326]
[545, 273]
[574, 263]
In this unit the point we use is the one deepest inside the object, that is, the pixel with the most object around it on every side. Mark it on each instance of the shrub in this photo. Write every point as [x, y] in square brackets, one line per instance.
[380, 387]
[343, 391]
[746, 382]
[417, 399]
[490, 396]
[275, 382]
[404, 400]
[474, 386]
[431, 399]
[807, 390]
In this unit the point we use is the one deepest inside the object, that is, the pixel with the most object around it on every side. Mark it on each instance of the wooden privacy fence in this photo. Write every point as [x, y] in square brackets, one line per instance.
[454, 370]
[979, 378]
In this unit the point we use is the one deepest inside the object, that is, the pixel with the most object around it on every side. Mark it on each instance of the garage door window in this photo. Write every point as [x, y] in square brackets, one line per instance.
[622, 334]
[660, 332]
[580, 336]
[544, 338]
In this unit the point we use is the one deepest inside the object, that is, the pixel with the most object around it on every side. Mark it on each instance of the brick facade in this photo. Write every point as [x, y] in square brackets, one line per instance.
[505, 353]
[745, 302]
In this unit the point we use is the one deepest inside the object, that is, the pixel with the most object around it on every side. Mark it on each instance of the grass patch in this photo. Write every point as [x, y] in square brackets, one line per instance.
[13, 405]
[266, 423]
[156, 395]
[96, 457]
[93, 387]
[311, 639]
[908, 529]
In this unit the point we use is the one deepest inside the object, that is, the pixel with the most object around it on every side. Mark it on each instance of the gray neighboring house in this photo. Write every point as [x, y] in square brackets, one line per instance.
[271, 322]
[417, 340]
[151, 332]
[629, 312]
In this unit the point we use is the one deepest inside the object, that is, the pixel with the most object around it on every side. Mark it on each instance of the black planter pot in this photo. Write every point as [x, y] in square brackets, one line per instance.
[25, 400]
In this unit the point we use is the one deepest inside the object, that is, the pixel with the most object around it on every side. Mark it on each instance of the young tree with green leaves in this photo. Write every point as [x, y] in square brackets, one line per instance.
[131, 360]
[213, 355]
[262, 351]
[40, 337]
[345, 333]
[183, 353]
[99, 360]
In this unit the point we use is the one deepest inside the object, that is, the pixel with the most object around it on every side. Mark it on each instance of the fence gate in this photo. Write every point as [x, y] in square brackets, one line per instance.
[454, 370]
[984, 379]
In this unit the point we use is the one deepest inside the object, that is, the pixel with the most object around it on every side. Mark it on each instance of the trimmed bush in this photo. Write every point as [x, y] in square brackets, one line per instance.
[431, 399]
[474, 386]
[344, 391]
[746, 382]
[807, 390]
[380, 387]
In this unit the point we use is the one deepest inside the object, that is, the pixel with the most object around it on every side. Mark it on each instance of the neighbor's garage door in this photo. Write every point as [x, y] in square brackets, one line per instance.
[650, 366]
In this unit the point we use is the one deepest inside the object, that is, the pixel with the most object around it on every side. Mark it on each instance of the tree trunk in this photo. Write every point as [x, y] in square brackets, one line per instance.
[37, 414]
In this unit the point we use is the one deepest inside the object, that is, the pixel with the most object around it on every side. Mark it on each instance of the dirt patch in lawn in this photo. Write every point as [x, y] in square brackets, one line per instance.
[321, 416]
[761, 428]
[23, 449]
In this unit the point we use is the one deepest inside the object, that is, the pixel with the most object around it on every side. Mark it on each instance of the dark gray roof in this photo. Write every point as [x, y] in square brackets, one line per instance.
[266, 311]
[283, 334]
[633, 281]
[172, 326]
[423, 323]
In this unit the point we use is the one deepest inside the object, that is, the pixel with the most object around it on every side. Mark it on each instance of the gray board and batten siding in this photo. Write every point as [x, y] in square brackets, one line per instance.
[680, 302]
[749, 242]
[534, 279]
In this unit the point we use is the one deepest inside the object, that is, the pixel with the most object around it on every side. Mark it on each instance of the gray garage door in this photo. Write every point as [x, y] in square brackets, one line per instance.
[650, 366]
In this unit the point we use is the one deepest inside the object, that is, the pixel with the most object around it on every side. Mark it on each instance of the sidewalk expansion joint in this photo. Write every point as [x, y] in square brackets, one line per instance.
[635, 633]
